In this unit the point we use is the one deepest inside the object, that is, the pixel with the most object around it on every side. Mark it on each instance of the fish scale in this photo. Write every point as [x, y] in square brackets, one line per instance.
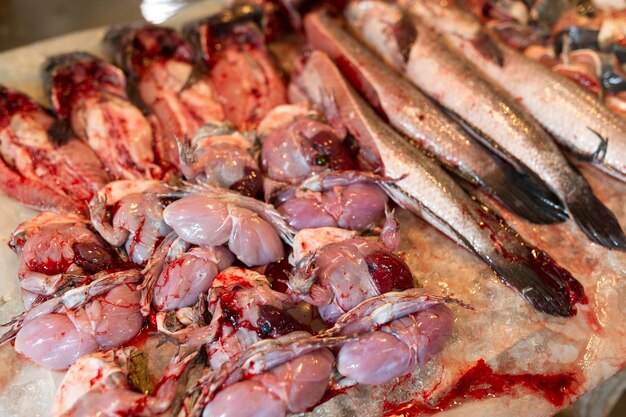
[425, 189]
[576, 119]
[496, 118]
[426, 124]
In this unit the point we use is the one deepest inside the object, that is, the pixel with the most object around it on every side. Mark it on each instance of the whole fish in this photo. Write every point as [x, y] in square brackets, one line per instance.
[495, 117]
[577, 120]
[425, 189]
[423, 121]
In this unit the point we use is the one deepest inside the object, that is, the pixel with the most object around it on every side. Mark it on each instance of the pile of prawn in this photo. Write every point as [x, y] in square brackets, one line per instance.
[245, 220]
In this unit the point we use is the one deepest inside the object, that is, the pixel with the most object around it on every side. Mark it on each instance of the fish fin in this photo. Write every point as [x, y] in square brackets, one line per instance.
[540, 281]
[514, 185]
[525, 194]
[544, 284]
[596, 156]
[488, 48]
[599, 154]
[595, 219]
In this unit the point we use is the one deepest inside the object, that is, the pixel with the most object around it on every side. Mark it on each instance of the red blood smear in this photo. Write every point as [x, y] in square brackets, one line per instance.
[590, 317]
[480, 382]
[96, 378]
[153, 43]
[50, 267]
[232, 314]
[12, 102]
[537, 260]
[75, 78]
[142, 337]
[332, 392]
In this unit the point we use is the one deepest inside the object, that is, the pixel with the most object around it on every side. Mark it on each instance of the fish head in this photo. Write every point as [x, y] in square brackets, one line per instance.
[134, 47]
[239, 26]
[79, 74]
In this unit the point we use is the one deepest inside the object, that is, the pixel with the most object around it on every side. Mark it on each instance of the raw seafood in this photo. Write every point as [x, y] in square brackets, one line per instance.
[130, 214]
[398, 331]
[222, 43]
[497, 120]
[347, 199]
[425, 189]
[578, 120]
[423, 121]
[445, 268]
[244, 310]
[176, 274]
[89, 94]
[210, 217]
[338, 276]
[109, 393]
[56, 252]
[101, 315]
[299, 143]
[160, 64]
[42, 166]
[221, 156]
[290, 373]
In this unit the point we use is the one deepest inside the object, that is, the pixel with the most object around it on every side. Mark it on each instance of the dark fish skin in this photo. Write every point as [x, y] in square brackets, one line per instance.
[425, 189]
[496, 118]
[423, 121]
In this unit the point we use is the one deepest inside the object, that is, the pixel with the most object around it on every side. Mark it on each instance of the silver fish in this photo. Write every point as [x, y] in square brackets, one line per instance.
[578, 121]
[492, 114]
[424, 188]
[423, 121]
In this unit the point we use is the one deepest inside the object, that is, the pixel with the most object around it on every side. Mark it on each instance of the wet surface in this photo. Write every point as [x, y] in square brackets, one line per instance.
[26, 21]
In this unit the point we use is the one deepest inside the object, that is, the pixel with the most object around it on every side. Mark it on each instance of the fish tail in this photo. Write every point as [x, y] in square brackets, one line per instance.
[541, 282]
[525, 194]
[595, 219]
[531, 272]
